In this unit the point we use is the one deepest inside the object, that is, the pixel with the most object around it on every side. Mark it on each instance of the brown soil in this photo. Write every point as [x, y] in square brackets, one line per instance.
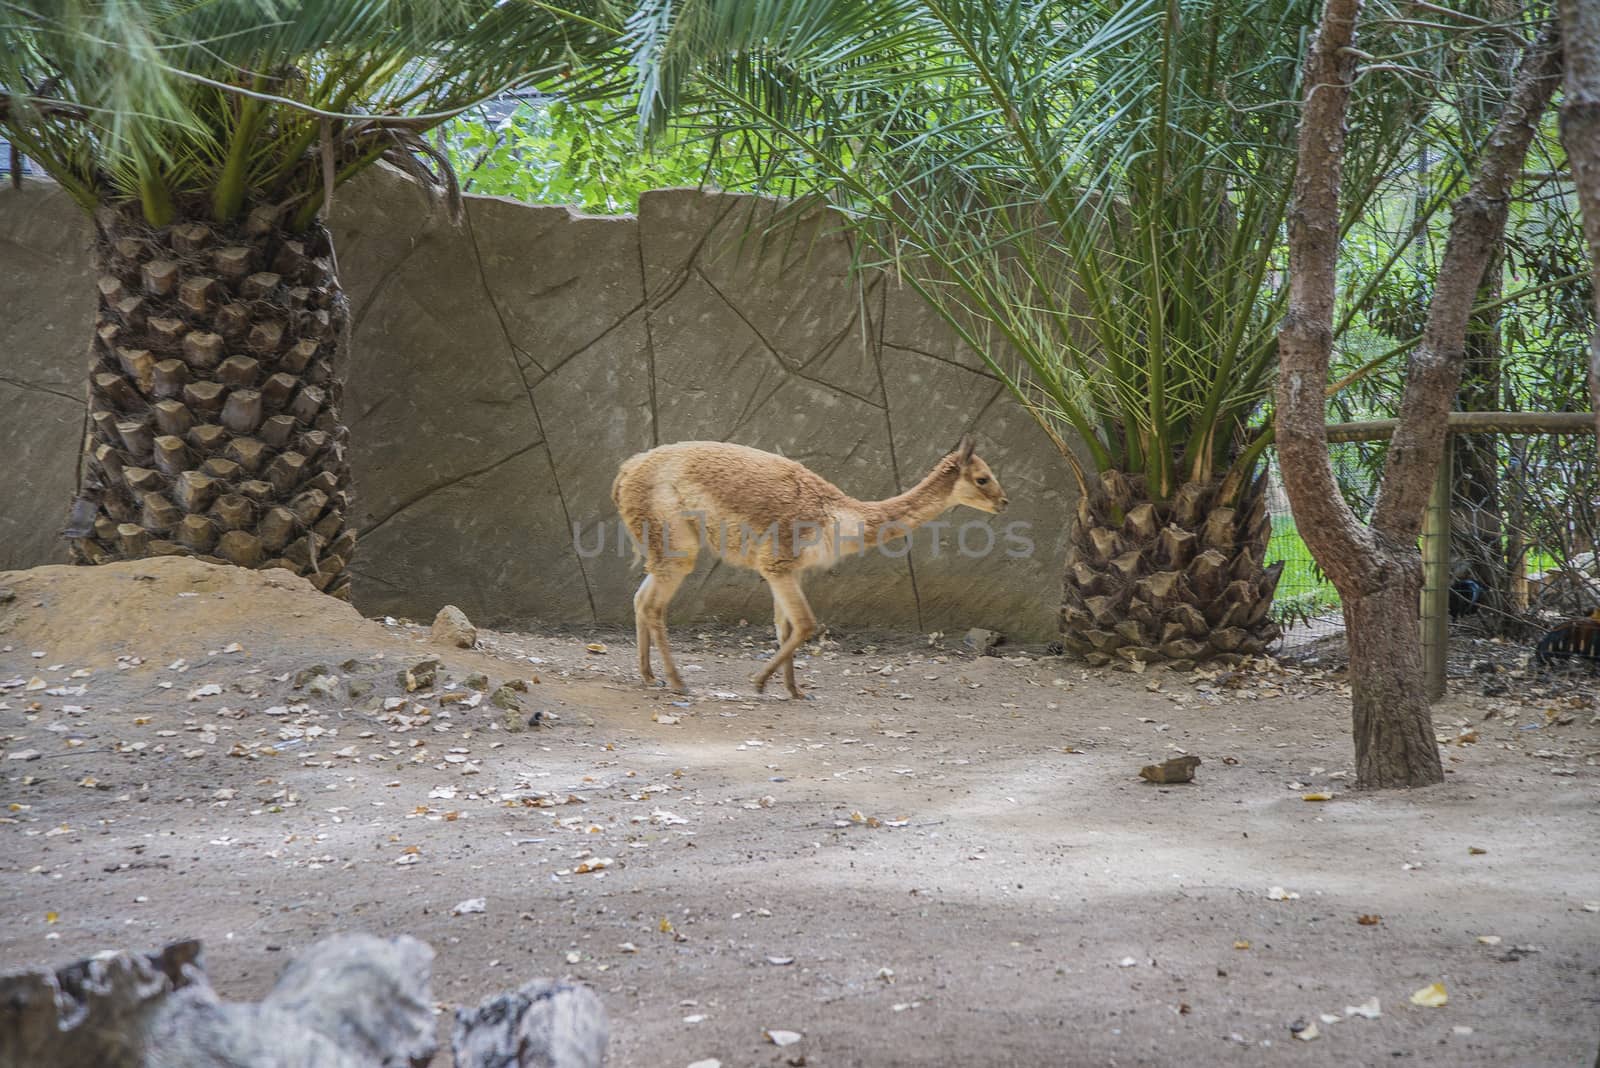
[940, 860]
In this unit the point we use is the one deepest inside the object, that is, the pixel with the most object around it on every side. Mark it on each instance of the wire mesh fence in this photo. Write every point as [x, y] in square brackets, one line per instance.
[1306, 605]
[1524, 527]
[1524, 538]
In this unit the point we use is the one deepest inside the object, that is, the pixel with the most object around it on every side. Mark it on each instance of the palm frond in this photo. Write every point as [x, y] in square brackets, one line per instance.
[232, 100]
[1092, 194]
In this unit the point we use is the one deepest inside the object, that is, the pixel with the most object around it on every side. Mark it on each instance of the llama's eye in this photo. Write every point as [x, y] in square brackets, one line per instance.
[984, 480]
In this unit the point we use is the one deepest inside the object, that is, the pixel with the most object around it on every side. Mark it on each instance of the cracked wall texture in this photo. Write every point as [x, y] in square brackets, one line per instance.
[502, 369]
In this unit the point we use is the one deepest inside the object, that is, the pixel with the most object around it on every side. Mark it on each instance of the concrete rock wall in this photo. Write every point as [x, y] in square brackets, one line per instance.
[501, 369]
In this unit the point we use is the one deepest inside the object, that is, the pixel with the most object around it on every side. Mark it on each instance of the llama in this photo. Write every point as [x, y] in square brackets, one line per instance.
[773, 516]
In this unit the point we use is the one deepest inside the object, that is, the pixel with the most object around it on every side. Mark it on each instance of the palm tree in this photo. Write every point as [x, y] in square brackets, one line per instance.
[1093, 196]
[205, 140]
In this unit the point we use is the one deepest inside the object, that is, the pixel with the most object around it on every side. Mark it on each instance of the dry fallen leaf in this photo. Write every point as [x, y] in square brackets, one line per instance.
[1278, 893]
[1316, 797]
[1431, 996]
[472, 904]
[1305, 1032]
[598, 648]
[1368, 1009]
[1369, 920]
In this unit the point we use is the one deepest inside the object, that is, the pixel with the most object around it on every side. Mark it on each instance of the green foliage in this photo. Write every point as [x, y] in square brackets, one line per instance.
[581, 153]
[1303, 591]
[233, 102]
[978, 148]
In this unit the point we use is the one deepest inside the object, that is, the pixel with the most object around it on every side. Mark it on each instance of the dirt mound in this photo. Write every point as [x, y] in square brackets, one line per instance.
[170, 607]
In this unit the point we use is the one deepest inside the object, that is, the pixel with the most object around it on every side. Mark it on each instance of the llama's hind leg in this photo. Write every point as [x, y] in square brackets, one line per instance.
[665, 583]
[801, 622]
[641, 629]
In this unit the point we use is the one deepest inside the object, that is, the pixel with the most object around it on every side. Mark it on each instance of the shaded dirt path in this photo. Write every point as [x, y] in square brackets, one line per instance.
[939, 860]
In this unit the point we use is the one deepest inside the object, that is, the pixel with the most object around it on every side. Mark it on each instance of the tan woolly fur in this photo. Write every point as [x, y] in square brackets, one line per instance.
[771, 515]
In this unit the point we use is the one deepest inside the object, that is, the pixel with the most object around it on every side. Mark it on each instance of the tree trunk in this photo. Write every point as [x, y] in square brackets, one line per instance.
[1377, 569]
[1580, 135]
[1394, 738]
[1180, 580]
[1477, 539]
[214, 425]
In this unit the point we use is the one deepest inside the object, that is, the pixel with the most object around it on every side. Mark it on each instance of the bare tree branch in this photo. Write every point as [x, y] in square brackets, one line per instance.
[1477, 227]
[1580, 135]
[1336, 538]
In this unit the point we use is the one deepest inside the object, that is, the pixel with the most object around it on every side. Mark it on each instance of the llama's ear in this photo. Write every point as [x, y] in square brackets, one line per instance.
[965, 449]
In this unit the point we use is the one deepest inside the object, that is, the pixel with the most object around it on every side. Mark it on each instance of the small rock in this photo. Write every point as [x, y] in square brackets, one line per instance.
[1486, 667]
[357, 688]
[479, 681]
[419, 676]
[452, 627]
[983, 641]
[520, 685]
[24, 754]
[512, 721]
[7, 595]
[354, 666]
[505, 697]
[305, 675]
[323, 686]
[1178, 769]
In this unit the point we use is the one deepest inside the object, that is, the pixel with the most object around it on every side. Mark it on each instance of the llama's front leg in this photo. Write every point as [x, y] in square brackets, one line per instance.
[780, 623]
[641, 629]
[666, 584]
[802, 624]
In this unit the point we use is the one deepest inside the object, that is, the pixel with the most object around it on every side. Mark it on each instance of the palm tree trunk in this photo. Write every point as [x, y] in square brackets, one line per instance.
[214, 424]
[1180, 580]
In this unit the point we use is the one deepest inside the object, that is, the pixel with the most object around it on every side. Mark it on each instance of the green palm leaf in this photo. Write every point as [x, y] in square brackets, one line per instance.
[1093, 194]
[238, 100]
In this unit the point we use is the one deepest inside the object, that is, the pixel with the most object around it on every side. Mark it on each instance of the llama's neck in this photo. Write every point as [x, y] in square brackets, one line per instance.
[896, 517]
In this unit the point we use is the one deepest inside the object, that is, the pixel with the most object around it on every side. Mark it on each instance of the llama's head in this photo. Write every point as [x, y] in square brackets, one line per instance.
[976, 485]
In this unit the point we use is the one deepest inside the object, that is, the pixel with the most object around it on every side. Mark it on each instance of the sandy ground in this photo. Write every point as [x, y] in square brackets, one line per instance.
[941, 859]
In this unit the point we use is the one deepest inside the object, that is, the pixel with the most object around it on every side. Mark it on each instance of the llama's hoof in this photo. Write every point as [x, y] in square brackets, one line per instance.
[761, 682]
[798, 694]
[676, 686]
